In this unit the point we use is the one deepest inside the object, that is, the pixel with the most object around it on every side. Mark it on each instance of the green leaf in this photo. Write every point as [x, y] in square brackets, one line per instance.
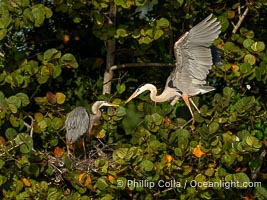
[228, 159]
[260, 193]
[155, 145]
[140, 2]
[121, 32]
[122, 155]
[250, 59]
[120, 111]
[178, 152]
[69, 60]
[3, 33]
[145, 40]
[38, 14]
[258, 73]
[229, 46]
[247, 43]
[183, 136]
[253, 142]
[122, 183]
[158, 34]
[180, 2]
[57, 123]
[77, 19]
[162, 23]
[41, 100]
[25, 142]
[228, 92]
[5, 18]
[101, 184]
[24, 99]
[15, 121]
[15, 101]
[246, 33]
[2, 163]
[245, 68]
[13, 108]
[240, 178]
[55, 70]
[48, 12]
[221, 172]
[244, 104]
[10, 133]
[123, 3]
[200, 178]
[146, 165]
[213, 127]
[120, 88]
[224, 22]
[51, 54]
[258, 46]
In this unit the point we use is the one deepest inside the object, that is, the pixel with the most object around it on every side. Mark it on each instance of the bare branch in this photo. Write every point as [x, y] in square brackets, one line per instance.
[255, 173]
[241, 18]
[129, 65]
[111, 48]
[30, 126]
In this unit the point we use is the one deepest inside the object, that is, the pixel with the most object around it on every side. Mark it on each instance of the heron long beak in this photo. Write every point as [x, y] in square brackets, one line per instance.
[112, 105]
[131, 97]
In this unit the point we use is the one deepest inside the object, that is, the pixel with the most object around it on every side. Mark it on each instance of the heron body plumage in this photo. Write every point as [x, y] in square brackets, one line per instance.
[79, 122]
[78, 127]
[194, 58]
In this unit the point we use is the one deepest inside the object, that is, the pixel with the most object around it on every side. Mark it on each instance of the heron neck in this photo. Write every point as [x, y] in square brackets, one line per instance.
[166, 95]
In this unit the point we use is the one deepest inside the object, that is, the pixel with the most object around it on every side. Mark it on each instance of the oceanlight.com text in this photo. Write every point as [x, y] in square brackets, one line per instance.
[192, 183]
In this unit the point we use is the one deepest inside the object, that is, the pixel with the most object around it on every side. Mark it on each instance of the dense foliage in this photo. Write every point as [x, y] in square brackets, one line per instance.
[52, 59]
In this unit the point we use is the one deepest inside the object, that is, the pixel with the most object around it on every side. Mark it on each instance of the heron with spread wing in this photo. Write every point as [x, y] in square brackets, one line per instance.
[194, 58]
[79, 122]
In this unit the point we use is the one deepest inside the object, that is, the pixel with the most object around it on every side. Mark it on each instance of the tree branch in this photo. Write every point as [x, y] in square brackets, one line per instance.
[131, 65]
[241, 18]
[255, 173]
[111, 47]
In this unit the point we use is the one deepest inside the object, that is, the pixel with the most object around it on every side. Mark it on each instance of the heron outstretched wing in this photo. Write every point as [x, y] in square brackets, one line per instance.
[193, 54]
[77, 124]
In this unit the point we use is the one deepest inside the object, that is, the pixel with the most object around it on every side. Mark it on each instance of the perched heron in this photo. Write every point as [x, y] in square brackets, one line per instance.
[79, 122]
[194, 58]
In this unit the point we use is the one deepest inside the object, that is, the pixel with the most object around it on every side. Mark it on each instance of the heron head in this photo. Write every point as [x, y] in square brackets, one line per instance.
[98, 104]
[140, 90]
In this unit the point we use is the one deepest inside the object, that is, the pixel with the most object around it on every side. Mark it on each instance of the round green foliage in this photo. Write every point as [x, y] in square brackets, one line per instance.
[53, 58]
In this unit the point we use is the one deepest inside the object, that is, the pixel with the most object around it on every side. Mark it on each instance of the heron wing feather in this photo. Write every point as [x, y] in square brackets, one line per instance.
[77, 124]
[193, 53]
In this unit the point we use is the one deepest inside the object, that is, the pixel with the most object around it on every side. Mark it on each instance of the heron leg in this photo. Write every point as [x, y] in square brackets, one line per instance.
[84, 150]
[191, 100]
[70, 154]
[186, 100]
[181, 127]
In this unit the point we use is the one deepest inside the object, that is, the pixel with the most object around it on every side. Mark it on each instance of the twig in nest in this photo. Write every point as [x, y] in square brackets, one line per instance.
[10, 149]
[100, 150]
[53, 162]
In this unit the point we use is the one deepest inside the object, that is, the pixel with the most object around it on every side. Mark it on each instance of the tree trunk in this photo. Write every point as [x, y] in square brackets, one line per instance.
[111, 47]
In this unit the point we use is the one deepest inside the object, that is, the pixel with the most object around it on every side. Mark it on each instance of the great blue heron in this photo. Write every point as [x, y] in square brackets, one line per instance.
[79, 122]
[194, 58]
